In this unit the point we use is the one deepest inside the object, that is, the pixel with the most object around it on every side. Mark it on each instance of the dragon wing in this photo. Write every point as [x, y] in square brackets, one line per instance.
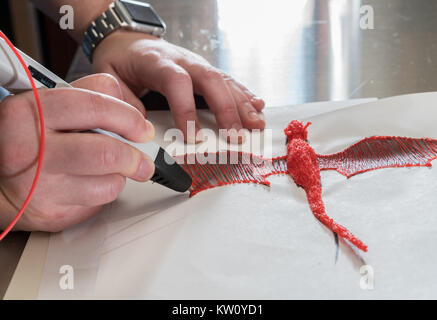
[222, 168]
[229, 167]
[380, 152]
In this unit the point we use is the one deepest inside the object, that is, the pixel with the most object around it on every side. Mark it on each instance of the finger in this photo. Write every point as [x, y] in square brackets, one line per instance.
[174, 83]
[79, 109]
[177, 87]
[91, 154]
[250, 117]
[211, 85]
[257, 102]
[89, 191]
[128, 95]
[103, 83]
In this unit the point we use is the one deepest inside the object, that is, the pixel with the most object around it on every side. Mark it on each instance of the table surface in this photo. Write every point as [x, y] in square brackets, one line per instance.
[292, 52]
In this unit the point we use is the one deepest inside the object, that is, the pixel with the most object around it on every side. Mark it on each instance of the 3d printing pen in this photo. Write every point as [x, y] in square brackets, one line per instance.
[13, 78]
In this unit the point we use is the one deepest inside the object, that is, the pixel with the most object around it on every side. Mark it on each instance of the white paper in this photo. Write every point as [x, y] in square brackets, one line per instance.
[252, 242]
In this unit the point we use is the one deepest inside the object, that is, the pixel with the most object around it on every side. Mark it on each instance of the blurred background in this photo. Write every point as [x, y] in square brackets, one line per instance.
[288, 52]
[37, 35]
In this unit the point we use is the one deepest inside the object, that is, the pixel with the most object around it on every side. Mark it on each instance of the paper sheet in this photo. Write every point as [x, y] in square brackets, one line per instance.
[253, 242]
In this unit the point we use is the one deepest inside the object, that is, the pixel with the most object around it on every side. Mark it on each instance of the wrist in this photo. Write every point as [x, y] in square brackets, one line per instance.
[129, 15]
[87, 15]
[120, 39]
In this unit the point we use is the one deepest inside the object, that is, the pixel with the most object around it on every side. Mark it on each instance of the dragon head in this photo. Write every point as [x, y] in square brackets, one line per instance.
[296, 130]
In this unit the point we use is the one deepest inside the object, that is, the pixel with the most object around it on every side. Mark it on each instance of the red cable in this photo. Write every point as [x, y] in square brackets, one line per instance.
[42, 140]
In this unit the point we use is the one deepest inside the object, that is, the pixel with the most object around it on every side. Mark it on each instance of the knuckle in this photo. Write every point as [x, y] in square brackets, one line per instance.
[108, 81]
[175, 75]
[93, 195]
[115, 187]
[102, 193]
[110, 155]
[189, 114]
[95, 108]
[151, 56]
[210, 73]
[201, 61]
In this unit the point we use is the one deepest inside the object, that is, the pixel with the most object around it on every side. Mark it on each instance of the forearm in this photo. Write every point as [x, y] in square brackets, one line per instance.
[85, 11]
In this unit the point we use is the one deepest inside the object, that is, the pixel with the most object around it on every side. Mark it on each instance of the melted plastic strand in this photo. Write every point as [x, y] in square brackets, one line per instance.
[246, 168]
[304, 166]
[380, 152]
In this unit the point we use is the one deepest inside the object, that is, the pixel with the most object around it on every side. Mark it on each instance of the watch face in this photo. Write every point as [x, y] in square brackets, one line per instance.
[142, 13]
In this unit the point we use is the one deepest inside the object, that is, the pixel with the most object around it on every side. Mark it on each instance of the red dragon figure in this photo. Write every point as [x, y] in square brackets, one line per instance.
[303, 164]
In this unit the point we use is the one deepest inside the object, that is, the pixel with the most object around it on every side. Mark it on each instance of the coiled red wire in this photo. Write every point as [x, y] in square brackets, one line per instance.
[42, 140]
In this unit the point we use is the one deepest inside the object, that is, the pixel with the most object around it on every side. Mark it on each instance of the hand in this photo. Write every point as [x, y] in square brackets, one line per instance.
[81, 171]
[142, 61]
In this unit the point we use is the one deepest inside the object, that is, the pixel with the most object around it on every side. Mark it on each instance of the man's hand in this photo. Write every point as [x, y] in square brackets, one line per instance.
[142, 61]
[81, 171]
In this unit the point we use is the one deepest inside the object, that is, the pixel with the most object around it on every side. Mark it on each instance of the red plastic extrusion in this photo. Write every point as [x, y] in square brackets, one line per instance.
[304, 166]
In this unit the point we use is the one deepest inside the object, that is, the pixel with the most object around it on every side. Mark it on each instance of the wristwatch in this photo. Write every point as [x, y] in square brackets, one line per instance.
[134, 15]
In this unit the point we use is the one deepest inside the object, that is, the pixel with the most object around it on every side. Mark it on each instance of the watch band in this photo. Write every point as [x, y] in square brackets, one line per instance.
[109, 21]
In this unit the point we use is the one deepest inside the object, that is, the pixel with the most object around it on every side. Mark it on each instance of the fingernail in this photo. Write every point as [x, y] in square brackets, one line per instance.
[253, 115]
[145, 170]
[251, 111]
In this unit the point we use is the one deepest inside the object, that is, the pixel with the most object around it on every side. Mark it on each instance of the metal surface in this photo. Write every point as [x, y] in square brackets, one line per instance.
[297, 51]
[291, 52]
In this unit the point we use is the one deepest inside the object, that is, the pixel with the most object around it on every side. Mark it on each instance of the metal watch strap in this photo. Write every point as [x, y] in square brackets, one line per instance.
[106, 23]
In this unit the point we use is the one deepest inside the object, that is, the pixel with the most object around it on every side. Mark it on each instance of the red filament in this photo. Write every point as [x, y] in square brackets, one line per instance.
[304, 166]
[380, 152]
[245, 168]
